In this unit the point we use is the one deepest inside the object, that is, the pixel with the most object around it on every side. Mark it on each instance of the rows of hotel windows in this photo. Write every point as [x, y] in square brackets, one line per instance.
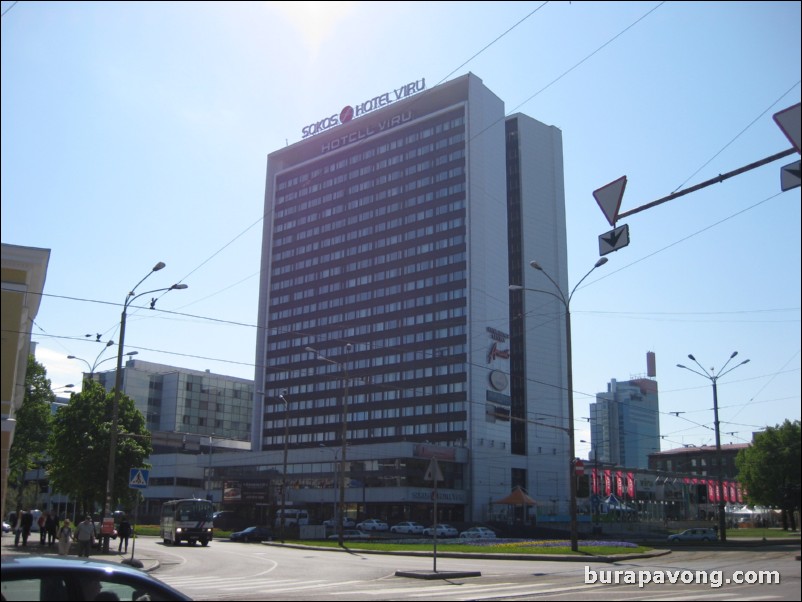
[320, 222]
[406, 138]
[315, 226]
[316, 289]
[408, 259]
[277, 345]
[377, 251]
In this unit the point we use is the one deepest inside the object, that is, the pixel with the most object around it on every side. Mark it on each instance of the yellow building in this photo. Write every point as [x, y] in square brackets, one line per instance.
[24, 271]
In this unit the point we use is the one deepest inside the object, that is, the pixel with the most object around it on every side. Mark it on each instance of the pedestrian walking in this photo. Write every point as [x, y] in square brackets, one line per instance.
[85, 534]
[26, 523]
[65, 538]
[42, 531]
[124, 532]
[51, 526]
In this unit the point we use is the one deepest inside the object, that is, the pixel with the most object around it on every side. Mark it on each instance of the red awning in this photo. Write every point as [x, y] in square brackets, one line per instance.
[517, 498]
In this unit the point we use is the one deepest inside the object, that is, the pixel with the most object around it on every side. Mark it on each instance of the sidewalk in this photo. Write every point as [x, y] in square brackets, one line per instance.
[34, 549]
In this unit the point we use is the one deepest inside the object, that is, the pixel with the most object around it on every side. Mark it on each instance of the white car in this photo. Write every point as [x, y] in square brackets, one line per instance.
[443, 530]
[348, 523]
[373, 524]
[409, 526]
[703, 535]
[351, 534]
[478, 533]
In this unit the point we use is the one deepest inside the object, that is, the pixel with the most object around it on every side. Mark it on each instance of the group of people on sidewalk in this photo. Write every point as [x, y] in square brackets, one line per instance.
[49, 533]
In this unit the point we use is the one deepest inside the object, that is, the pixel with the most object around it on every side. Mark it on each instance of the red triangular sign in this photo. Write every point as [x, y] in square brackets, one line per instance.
[789, 121]
[609, 198]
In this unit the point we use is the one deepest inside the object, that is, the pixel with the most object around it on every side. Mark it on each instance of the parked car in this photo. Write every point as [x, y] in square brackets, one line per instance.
[228, 520]
[252, 534]
[6, 527]
[348, 522]
[694, 535]
[443, 530]
[351, 534]
[409, 526]
[70, 578]
[373, 524]
[478, 533]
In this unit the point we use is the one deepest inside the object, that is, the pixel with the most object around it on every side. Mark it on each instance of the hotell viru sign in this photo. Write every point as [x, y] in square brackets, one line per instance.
[377, 102]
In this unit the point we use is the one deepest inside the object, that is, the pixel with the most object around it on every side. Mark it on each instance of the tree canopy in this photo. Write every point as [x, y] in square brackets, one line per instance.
[32, 430]
[770, 467]
[79, 447]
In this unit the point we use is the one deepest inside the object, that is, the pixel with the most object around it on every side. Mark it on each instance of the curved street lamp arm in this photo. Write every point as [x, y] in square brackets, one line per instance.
[598, 264]
[514, 287]
[155, 268]
[707, 376]
[129, 299]
[561, 297]
[731, 369]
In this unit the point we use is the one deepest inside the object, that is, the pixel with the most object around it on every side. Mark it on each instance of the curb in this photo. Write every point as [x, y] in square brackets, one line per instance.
[477, 555]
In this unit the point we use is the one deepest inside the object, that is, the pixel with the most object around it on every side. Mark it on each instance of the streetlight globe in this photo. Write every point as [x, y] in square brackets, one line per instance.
[536, 265]
[601, 262]
[690, 356]
[158, 266]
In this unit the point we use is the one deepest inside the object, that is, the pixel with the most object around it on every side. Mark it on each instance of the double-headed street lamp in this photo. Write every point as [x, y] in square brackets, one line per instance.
[713, 377]
[93, 367]
[566, 301]
[344, 435]
[129, 298]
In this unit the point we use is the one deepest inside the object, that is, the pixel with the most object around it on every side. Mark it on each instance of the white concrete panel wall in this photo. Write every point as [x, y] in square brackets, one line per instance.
[543, 216]
[488, 281]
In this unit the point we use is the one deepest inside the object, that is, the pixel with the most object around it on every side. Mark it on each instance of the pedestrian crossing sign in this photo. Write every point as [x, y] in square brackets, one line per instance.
[433, 472]
[138, 478]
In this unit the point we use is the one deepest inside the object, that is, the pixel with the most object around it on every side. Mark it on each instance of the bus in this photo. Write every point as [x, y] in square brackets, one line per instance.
[187, 520]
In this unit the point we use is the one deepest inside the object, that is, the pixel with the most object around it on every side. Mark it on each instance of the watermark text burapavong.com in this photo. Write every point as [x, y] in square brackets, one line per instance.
[687, 577]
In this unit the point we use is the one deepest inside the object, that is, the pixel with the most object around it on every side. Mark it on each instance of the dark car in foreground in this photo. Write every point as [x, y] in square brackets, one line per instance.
[252, 534]
[66, 578]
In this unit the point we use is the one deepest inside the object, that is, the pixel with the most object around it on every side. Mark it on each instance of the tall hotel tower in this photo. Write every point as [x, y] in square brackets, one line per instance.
[388, 336]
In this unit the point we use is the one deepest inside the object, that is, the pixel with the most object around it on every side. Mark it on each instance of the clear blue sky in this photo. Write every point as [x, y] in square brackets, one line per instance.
[134, 133]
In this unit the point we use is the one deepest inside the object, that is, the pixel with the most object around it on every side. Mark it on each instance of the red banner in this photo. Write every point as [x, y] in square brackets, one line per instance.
[712, 498]
[619, 486]
[608, 485]
[631, 485]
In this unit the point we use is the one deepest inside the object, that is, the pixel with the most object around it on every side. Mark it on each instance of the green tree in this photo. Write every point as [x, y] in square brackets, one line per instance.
[770, 468]
[79, 447]
[31, 432]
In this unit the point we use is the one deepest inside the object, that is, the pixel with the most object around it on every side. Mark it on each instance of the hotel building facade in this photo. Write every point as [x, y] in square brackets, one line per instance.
[387, 332]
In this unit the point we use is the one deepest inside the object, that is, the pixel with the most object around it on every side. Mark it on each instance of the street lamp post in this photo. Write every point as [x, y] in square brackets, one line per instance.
[566, 301]
[594, 484]
[115, 408]
[209, 471]
[344, 435]
[713, 377]
[284, 471]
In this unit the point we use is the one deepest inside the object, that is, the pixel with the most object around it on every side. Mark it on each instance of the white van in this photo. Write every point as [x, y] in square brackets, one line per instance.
[292, 516]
